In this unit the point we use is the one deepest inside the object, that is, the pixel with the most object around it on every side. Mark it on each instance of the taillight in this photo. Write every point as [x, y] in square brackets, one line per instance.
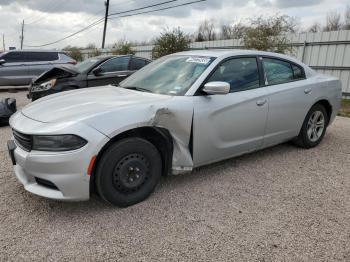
[73, 62]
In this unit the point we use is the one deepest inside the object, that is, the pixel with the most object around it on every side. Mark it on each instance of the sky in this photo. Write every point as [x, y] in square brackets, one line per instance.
[49, 20]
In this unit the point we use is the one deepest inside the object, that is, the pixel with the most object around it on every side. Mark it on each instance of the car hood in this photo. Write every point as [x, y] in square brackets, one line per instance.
[56, 72]
[86, 103]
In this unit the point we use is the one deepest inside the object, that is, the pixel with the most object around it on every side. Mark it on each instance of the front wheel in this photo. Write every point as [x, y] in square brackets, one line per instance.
[314, 127]
[128, 171]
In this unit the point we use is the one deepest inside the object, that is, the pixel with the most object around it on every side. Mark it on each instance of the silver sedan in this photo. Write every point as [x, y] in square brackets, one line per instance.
[180, 112]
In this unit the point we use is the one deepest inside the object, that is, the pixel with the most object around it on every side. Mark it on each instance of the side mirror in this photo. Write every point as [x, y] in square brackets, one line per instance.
[217, 88]
[97, 71]
[2, 61]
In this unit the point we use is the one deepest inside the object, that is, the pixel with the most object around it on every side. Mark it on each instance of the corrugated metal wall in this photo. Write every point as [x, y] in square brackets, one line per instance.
[326, 52]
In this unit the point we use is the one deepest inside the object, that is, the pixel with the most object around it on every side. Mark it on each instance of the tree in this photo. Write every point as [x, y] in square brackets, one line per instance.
[316, 27]
[233, 31]
[74, 52]
[122, 47]
[333, 21]
[91, 46]
[93, 50]
[206, 31]
[269, 34]
[346, 25]
[170, 41]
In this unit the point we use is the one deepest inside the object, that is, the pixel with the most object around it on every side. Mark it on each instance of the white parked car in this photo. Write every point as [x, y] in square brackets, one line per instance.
[180, 112]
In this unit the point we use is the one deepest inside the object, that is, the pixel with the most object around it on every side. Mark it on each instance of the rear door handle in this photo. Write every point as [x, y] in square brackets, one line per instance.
[261, 102]
[122, 75]
[307, 91]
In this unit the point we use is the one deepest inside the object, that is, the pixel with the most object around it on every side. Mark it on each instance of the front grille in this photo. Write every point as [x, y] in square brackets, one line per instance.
[45, 183]
[22, 140]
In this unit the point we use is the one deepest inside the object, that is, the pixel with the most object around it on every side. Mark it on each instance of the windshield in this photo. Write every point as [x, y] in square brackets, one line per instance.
[85, 65]
[172, 75]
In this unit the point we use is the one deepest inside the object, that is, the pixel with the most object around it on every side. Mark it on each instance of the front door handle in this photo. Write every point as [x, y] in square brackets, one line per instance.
[122, 75]
[261, 102]
[307, 91]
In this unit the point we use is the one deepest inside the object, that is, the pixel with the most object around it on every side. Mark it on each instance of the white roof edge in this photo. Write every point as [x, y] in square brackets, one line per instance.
[236, 52]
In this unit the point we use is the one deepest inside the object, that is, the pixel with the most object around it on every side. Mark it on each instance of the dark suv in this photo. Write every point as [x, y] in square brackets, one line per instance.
[20, 67]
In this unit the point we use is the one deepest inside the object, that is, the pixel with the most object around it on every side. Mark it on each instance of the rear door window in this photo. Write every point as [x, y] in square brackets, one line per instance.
[241, 73]
[115, 64]
[298, 72]
[277, 71]
[41, 56]
[14, 57]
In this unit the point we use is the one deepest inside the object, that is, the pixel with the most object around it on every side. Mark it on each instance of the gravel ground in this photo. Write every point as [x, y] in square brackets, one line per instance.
[279, 204]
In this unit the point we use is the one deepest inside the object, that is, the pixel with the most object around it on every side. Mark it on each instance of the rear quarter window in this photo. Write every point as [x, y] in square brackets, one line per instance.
[14, 57]
[41, 56]
[298, 72]
[137, 63]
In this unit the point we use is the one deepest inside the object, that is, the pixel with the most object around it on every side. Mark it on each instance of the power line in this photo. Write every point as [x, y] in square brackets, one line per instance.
[73, 34]
[156, 10]
[44, 15]
[123, 12]
[99, 21]
[145, 7]
[127, 15]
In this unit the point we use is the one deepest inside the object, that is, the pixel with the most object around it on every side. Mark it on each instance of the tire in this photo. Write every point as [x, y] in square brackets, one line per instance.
[313, 128]
[128, 172]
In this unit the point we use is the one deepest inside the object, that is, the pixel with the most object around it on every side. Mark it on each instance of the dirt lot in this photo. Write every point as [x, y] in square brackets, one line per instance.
[279, 204]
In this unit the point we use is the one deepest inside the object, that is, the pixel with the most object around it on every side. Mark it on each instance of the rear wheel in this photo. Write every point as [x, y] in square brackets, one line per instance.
[128, 172]
[314, 127]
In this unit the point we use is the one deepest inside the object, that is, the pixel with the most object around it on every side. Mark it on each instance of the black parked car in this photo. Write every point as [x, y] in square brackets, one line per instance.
[96, 71]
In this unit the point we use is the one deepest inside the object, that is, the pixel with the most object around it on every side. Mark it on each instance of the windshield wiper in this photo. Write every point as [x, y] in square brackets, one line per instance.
[137, 88]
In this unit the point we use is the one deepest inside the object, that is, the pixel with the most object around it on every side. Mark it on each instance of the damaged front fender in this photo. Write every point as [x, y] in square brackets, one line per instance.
[178, 121]
[174, 114]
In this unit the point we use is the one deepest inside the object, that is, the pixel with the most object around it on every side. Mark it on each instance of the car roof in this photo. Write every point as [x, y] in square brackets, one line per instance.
[234, 52]
[105, 57]
[36, 50]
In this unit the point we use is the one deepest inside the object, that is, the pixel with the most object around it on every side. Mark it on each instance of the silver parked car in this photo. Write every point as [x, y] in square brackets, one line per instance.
[20, 67]
[180, 112]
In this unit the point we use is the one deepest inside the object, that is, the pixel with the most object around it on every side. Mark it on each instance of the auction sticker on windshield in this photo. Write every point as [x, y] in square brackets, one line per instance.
[198, 60]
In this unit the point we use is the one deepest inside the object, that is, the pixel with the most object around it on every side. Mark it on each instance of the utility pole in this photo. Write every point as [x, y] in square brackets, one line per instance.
[105, 26]
[3, 42]
[22, 37]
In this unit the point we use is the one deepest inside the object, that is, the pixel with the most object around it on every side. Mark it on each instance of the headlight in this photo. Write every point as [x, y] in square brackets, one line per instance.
[44, 86]
[58, 143]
